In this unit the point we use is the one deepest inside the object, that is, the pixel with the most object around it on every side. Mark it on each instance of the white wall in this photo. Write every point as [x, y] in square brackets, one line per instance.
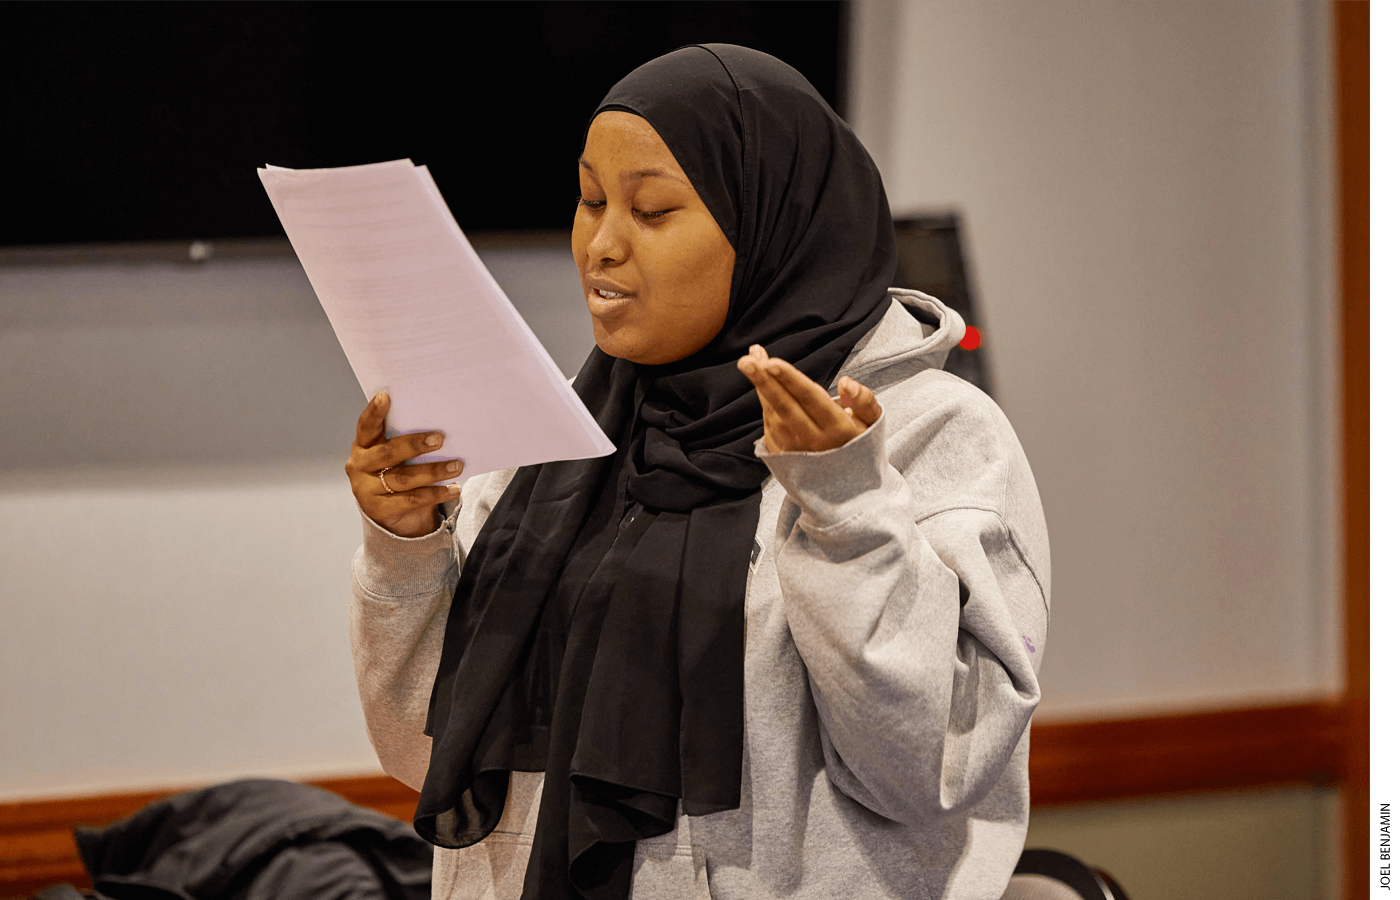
[177, 625]
[175, 528]
[1146, 189]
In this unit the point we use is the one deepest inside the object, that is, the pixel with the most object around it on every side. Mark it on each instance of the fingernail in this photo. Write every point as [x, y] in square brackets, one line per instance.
[746, 366]
[454, 467]
[434, 440]
[379, 398]
[453, 490]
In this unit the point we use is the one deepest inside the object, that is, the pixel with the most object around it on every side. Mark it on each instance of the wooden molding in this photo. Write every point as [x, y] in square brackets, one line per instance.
[1075, 762]
[1352, 43]
[1071, 762]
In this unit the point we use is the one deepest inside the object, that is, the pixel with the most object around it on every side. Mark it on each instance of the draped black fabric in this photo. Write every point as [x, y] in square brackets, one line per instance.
[597, 632]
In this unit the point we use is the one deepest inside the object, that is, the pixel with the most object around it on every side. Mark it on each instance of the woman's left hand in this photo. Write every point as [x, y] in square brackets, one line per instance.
[798, 413]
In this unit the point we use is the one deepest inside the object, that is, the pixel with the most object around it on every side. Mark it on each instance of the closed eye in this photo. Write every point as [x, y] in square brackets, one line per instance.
[641, 214]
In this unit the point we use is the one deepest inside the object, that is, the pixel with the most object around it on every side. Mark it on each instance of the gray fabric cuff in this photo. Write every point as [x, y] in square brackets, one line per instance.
[393, 566]
[824, 484]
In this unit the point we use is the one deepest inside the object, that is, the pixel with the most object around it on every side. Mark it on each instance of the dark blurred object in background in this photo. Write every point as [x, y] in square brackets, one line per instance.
[931, 260]
[145, 121]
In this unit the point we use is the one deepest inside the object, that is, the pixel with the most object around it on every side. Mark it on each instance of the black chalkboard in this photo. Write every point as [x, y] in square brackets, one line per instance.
[146, 121]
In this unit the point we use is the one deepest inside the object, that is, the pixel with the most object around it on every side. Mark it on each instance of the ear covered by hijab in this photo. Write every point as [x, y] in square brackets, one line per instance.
[597, 631]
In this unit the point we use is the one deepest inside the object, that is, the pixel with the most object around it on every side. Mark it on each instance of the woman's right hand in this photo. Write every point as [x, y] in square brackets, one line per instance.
[409, 507]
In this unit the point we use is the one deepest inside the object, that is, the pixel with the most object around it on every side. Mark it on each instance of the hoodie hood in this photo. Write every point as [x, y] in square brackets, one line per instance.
[917, 328]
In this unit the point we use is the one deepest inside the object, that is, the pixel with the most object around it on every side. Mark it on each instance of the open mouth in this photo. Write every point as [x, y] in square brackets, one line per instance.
[602, 304]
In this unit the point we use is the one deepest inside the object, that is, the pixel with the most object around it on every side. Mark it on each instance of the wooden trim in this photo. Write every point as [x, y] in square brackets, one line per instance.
[1075, 762]
[1352, 35]
[1070, 762]
[388, 795]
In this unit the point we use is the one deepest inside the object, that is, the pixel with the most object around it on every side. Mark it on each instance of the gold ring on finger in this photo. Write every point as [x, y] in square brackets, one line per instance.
[385, 483]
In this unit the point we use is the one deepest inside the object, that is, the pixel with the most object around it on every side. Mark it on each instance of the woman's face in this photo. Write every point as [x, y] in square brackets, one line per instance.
[655, 266]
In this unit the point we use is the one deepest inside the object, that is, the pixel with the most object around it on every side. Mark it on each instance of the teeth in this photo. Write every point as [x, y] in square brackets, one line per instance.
[608, 295]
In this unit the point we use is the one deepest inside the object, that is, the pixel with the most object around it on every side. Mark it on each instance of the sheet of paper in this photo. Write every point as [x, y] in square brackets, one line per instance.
[419, 316]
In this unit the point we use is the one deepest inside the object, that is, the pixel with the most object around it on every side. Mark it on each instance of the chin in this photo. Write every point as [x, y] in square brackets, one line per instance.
[625, 343]
[618, 346]
[632, 356]
[605, 341]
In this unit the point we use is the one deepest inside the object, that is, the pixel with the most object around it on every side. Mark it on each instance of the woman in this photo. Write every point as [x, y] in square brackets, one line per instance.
[779, 644]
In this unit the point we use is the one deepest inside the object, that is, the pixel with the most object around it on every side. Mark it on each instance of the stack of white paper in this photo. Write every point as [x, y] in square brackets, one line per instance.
[419, 316]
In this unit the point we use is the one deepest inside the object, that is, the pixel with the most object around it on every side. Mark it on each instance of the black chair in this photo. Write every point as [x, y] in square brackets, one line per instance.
[1052, 875]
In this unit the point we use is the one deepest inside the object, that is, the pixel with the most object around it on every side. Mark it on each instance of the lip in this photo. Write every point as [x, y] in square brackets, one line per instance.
[601, 307]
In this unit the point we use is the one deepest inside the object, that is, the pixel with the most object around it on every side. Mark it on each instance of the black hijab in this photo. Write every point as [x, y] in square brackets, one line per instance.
[597, 632]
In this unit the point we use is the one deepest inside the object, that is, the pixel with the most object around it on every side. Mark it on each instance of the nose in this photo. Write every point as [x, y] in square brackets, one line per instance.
[608, 245]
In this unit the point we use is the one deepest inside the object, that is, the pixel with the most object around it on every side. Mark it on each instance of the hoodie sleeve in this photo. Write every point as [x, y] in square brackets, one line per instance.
[914, 572]
[400, 592]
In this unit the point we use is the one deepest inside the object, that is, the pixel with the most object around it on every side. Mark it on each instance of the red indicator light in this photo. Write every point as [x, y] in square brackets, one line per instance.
[972, 340]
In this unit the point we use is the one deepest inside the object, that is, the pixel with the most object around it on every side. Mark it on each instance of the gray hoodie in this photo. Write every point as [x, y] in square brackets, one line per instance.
[896, 615]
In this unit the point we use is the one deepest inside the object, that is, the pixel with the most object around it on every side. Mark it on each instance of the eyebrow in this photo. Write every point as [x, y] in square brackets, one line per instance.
[636, 174]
